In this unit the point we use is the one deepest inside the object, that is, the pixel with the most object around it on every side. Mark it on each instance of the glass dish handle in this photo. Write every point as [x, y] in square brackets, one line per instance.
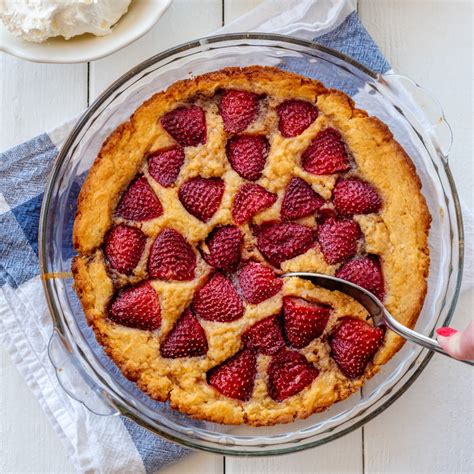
[426, 109]
[75, 381]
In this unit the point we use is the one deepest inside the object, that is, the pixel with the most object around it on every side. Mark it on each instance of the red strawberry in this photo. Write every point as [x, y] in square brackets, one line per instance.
[258, 282]
[186, 339]
[187, 125]
[326, 154]
[300, 200]
[218, 300]
[354, 196]
[171, 257]
[303, 321]
[288, 373]
[238, 110]
[235, 377]
[338, 239]
[225, 245]
[124, 246]
[164, 165]
[139, 202]
[250, 200]
[137, 307]
[247, 155]
[264, 336]
[365, 272]
[295, 117]
[202, 197]
[353, 344]
[280, 241]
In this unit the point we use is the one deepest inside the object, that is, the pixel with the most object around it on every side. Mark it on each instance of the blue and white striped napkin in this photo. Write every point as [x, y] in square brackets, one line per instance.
[114, 444]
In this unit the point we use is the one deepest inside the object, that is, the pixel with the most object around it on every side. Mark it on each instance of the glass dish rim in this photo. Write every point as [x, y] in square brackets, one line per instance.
[63, 153]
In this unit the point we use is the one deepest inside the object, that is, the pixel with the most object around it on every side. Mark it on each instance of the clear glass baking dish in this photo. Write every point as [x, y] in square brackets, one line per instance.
[417, 122]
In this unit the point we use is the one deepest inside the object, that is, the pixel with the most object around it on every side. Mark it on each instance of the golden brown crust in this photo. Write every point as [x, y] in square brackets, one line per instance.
[398, 235]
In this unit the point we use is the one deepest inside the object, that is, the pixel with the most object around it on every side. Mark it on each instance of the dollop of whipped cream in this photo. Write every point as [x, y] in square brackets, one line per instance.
[38, 20]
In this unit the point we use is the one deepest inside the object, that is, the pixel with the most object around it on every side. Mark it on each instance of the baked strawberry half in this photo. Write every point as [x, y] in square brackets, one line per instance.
[300, 200]
[164, 165]
[295, 117]
[264, 336]
[238, 110]
[187, 125]
[235, 378]
[280, 241]
[353, 345]
[354, 196]
[250, 200]
[124, 247]
[186, 339]
[171, 257]
[218, 300]
[247, 154]
[288, 374]
[201, 197]
[365, 272]
[225, 247]
[258, 282]
[338, 239]
[326, 154]
[137, 307]
[303, 321]
[139, 202]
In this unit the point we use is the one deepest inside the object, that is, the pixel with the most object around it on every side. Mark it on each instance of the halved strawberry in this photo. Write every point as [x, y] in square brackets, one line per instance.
[258, 282]
[225, 246]
[123, 247]
[353, 344]
[187, 125]
[201, 197]
[139, 202]
[354, 196]
[171, 257]
[137, 307]
[288, 373]
[300, 200]
[295, 117]
[218, 300]
[238, 110]
[186, 339]
[365, 272]
[326, 154]
[250, 200]
[338, 239]
[164, 165]
[280, 241]
[235, 377]
[303, 321]
[264, 336]
[247, 154]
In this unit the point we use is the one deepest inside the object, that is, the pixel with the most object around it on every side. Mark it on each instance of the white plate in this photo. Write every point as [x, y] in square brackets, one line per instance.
[141, 16]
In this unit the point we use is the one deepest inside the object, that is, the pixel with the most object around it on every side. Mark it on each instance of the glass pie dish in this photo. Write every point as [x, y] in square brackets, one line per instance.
[417, 122]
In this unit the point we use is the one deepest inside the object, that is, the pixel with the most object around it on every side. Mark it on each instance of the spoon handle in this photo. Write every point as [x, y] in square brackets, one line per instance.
[417, 338]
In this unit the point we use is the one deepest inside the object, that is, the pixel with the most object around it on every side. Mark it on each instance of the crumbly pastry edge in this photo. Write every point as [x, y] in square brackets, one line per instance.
[89, 210]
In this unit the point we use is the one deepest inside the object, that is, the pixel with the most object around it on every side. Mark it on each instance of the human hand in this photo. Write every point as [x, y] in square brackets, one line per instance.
[458, 344]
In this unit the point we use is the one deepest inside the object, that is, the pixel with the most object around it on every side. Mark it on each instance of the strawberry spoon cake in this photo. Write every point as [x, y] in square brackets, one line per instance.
[194, 208]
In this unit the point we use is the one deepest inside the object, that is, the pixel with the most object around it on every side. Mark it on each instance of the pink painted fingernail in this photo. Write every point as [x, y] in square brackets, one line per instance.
[446, 332]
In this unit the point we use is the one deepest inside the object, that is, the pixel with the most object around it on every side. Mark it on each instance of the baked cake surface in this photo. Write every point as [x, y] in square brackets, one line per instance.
[212, 189]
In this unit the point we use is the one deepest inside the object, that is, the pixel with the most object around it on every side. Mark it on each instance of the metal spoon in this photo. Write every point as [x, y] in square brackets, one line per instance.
[375, 308]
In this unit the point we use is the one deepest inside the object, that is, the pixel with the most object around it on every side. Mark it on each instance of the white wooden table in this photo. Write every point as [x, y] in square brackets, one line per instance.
[430, 429]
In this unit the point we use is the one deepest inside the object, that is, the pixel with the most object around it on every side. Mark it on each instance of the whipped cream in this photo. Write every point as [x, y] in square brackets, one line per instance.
[38, 20]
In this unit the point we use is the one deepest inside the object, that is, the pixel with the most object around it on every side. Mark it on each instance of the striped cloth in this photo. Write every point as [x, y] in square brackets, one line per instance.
[116, 444]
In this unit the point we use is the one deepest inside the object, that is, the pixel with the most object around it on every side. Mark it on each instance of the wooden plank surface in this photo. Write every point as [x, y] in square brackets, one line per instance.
[430, 428]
